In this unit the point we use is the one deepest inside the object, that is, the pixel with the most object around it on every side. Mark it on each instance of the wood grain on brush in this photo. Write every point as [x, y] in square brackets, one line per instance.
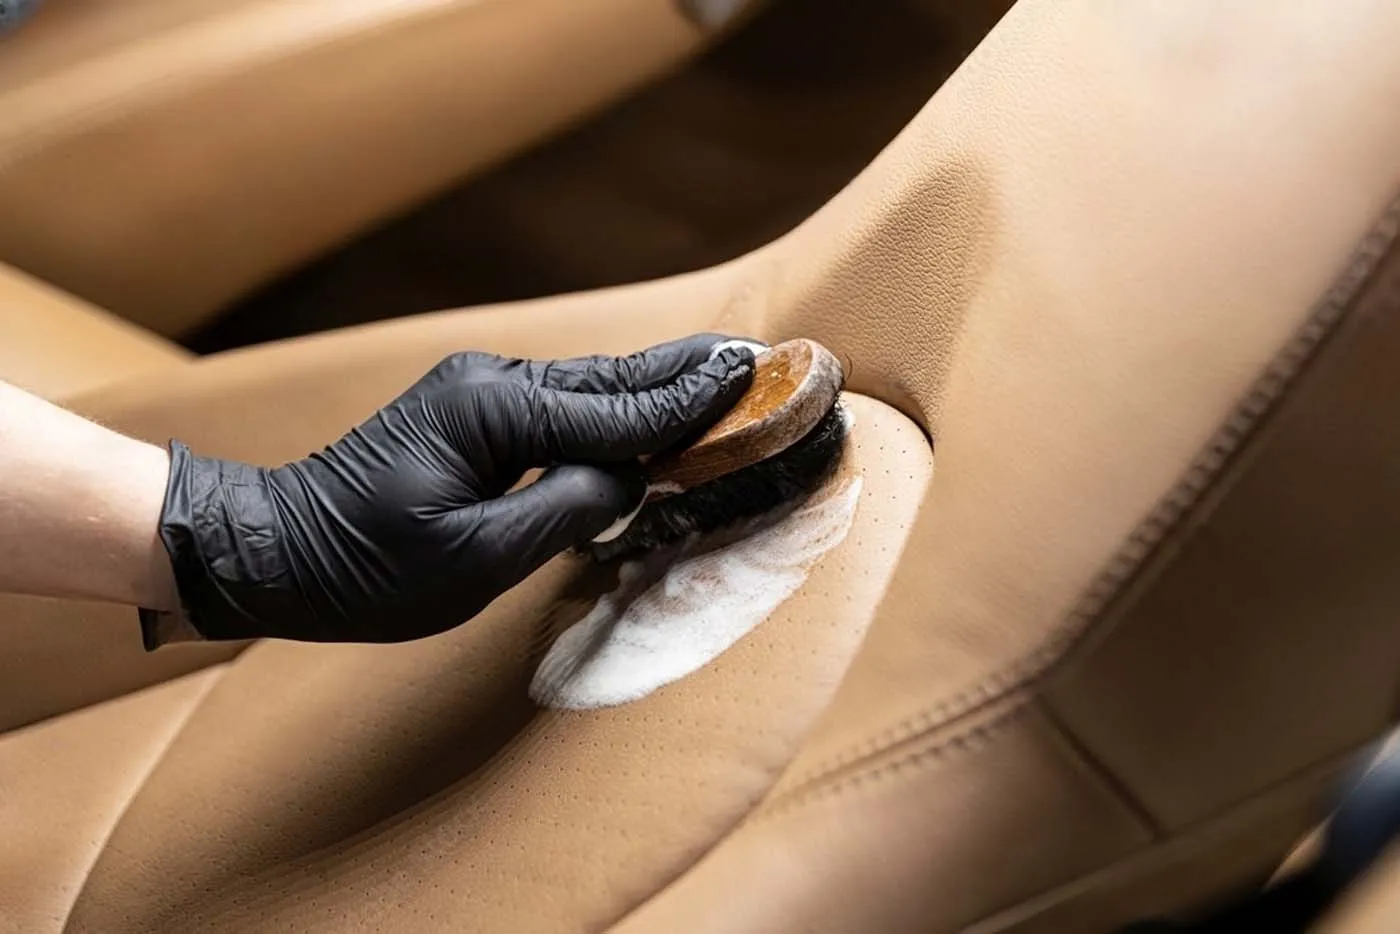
[795, 384]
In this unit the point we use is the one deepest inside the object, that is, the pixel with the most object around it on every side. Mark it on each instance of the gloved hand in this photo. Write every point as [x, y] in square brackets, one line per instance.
[404, 527]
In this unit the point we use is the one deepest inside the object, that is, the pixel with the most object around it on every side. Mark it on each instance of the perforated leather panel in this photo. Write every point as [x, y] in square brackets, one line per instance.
[415, 787]
[64, 785]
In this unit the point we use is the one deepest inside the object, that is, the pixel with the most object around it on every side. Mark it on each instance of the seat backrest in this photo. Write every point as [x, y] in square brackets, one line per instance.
[1134, 271]
[162, 159]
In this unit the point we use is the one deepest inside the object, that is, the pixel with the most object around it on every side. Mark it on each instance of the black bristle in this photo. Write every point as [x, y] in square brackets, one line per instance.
[785, 479]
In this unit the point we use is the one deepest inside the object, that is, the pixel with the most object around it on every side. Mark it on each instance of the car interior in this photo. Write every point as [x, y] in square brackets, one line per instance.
[1111, 642]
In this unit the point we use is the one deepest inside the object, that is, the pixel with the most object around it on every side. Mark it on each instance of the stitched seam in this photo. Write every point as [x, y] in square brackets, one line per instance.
[1261, 398]
[156, 760]
[919, 755]
[1106, 777]
[1192, 834]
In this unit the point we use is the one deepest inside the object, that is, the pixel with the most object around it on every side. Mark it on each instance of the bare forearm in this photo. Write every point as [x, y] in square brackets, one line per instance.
[79, 508]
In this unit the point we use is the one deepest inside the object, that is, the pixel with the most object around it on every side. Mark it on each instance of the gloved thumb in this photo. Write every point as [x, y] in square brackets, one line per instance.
[566, 506]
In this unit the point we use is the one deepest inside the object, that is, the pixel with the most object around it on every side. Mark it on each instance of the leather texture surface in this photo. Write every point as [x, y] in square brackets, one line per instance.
[421, 778]
[161, 157]
[55, 345]
[1091, 267]
[63, 786]
[57, 656]
[1134, 271]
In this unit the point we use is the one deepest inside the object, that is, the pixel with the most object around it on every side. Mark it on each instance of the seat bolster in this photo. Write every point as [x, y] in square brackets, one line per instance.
[58, 346]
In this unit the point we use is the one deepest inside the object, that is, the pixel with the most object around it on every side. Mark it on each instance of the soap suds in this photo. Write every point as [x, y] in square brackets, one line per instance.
[620, 526]
[670, 616]
[752, 346]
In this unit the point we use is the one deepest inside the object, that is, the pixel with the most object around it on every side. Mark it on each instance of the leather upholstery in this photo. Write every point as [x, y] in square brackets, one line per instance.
[65, 786]
[1122, 625]
[1134, 273]
[161, 157]
[413, 707]
[459, 791]
[60, 656]
[55, 345]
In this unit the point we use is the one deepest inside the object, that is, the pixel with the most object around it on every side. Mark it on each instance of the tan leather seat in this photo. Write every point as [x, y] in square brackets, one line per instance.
[161, 157]
[56, 345]
[1135, 270]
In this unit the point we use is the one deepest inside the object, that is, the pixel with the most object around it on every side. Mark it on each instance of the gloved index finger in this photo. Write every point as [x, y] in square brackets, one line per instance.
[638, 372]
[565, 507]
[600, 428]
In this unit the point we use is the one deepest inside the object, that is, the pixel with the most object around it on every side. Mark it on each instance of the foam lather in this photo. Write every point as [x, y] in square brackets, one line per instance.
[675, 611]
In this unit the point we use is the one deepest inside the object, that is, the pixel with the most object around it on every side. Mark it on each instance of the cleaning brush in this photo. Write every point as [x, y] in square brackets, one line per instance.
[778, 445]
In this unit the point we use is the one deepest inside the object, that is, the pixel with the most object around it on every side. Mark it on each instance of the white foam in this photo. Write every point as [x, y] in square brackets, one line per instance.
[620, 526]
[752, 346]
[670, 617]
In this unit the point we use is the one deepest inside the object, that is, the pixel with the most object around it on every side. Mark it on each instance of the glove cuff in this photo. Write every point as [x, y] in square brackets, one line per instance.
[219, 526]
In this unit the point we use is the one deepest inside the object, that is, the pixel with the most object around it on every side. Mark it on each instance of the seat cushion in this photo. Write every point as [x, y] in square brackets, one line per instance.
[63, 785]
[417, 786]
[160, 157]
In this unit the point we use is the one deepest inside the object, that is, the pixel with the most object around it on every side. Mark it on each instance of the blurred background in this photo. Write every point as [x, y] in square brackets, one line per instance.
[730, 151]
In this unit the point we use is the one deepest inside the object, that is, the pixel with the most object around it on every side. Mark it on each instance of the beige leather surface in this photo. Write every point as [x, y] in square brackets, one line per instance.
[420, 778]
[160, 157]
[55, 345]
[1142, 616]
[57, 656]
[1084, 267]
[63, 786]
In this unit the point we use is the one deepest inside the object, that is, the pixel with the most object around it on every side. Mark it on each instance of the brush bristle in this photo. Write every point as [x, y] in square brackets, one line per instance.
[786, 478]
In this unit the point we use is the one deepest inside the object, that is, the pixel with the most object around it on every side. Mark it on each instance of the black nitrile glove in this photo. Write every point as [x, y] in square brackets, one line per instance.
[404, 527]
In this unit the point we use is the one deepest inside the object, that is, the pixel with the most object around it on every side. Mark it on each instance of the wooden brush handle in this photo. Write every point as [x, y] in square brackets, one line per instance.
[795, 384]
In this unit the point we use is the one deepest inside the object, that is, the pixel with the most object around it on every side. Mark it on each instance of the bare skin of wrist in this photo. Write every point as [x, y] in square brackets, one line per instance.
[79, 508]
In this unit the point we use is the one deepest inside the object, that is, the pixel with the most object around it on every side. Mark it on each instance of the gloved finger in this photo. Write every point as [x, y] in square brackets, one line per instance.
[572, 427]
[566, 506]
[638, 372]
